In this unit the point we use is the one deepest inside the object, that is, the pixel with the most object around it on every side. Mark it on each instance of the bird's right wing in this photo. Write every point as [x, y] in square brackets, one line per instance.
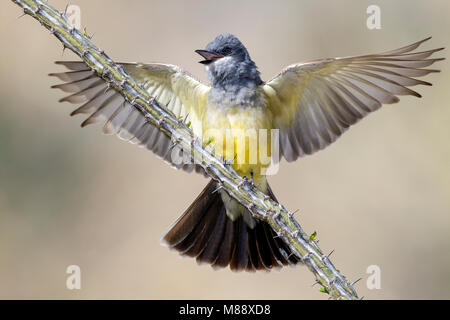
[168, 84]
[314, 102]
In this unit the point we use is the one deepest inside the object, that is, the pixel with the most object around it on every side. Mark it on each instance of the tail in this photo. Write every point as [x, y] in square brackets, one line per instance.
[206, 233]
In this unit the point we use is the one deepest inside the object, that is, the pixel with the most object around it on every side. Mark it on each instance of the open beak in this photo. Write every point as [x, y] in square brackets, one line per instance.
[209, 56]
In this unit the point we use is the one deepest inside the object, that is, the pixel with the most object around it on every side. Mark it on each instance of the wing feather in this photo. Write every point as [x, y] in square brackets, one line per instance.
[314, 102]
[168, 84]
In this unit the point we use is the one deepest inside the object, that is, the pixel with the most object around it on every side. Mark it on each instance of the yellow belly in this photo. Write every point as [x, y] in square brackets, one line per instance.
[241, 135]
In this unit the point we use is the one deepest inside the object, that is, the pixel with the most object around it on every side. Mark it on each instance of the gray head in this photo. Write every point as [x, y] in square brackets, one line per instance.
[228, 63]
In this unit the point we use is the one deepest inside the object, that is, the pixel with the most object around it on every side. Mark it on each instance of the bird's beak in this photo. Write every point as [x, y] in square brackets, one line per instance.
[209, 56]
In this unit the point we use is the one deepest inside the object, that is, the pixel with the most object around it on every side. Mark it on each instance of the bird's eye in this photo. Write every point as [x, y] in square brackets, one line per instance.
[226, 50]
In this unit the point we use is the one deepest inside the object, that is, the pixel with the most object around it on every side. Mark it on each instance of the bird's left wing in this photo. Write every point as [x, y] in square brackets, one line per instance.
[314, 102]
[169, 85]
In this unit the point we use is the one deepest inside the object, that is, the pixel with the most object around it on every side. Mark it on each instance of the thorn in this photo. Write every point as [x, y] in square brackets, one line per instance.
[211, 148]
[315, 282]
[64, 49]
[118, 67]
[108, 87]
[122, 83]
[176, 140]
[276, 216]
[291, 214]
[277, 236]
[187, 123]
[251, 206]
[161, 120]
[193, 141]
[266, 197]
[295, 233]
[306, 256]
[52, 30]
[217, 189]
[226, 162]
[171, 146]
[23, 14]
[65, 9]
[330, 253]
[243, 182]
[86, 34]
[208, 167]
[38, 8]
[252, 183]
[173, 143]
[105, 72]
[354, 282]
[145, 84]
[150, 101]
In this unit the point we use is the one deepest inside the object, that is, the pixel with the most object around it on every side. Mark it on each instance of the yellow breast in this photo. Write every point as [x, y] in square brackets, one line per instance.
[241, 134]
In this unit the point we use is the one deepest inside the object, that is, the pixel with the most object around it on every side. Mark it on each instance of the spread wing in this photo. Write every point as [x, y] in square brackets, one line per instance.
[168, 84]
[314, 102]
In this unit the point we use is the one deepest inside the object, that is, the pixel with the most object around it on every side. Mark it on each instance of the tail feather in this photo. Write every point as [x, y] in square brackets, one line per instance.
[189, 220]
[206, 233]
[226, 245]
[202, 233]
[240, 259]
[210, 253]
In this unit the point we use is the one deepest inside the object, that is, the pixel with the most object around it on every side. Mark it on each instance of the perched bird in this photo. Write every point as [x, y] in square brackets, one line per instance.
[311, 103]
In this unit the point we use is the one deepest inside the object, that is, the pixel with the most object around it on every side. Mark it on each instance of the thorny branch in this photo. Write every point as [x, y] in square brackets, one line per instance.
[241, 189]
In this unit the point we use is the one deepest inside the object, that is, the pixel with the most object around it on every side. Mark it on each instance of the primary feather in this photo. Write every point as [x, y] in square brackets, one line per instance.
[172, 87]
[314, 102]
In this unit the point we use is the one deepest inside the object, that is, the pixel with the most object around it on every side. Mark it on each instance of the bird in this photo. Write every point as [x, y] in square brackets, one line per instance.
[310, 104]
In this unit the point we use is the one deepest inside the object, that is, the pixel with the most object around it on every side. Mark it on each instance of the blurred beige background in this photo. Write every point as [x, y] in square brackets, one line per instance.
[379, 196]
